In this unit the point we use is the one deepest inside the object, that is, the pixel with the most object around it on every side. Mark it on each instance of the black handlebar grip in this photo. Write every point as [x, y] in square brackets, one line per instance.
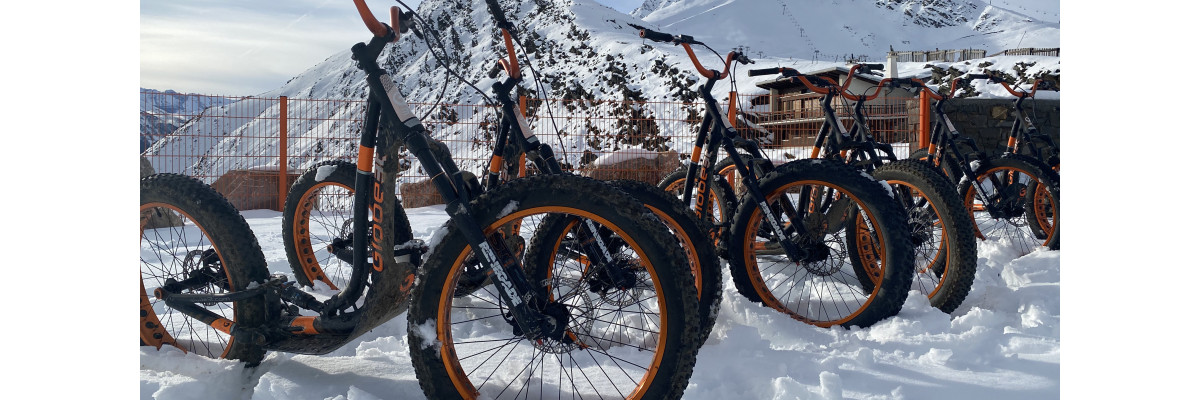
[495, 71]
[1047, 85]
[817, 81]
[763, 71]
[406, 20]
[743, 59]
[656, 36]
[498, 14]
[872, 67]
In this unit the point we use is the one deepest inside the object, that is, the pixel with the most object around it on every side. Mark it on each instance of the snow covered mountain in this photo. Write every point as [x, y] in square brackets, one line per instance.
[162, 112]
[833, 29]
[582, 50]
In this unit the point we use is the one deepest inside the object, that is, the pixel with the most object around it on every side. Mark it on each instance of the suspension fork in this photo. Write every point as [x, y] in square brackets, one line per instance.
[515, 291]
[543, 157]
[1026, 138]
[501, 135]
[699, 166]
[750, 179]
[861, 131]
[944, 134]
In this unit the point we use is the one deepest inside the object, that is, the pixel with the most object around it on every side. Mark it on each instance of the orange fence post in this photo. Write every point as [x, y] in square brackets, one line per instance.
[733, 109]
[282, 151]
[923, 121]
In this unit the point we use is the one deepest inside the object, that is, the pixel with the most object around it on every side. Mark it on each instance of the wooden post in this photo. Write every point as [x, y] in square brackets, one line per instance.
[283, 140]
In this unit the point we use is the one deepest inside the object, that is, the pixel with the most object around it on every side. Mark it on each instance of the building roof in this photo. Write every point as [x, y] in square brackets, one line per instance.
[833, 72]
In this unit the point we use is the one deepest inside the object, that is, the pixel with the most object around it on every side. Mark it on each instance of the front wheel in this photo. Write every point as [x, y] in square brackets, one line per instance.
[692, 236]
[720, 201]
[940, 230]
[318, 229]
[1000, 207]
[820, 284]
[720, 195]
[626, 327]
[194, 242]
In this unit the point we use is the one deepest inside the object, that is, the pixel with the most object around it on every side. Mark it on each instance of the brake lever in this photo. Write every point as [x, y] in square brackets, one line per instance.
[495, 71]
[743, 59]
[405, 23]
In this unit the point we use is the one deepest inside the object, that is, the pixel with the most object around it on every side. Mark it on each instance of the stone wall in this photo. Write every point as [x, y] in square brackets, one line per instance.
[636, 168]
[253, 189]
[989, 121]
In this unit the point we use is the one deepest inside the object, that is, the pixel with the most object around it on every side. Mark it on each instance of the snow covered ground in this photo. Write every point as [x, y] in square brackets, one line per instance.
[1003, 343]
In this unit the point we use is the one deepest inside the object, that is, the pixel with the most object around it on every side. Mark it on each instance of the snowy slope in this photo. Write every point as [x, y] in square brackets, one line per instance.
[580, 50]
[1002, 343]
[162, 112]
[831, 30]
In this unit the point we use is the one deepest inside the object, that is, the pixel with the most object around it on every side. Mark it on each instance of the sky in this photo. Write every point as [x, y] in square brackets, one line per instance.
[235, 47]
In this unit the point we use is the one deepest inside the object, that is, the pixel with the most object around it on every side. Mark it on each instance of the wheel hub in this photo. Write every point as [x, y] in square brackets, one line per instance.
[618, 275]
[1010, 202]
[920, 221]
[555, 338]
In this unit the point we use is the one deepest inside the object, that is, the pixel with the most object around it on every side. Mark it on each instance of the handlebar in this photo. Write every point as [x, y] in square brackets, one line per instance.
[1046, 85]
[765, 71]
[497, 14]
[891, 82]
[818, 84]
[1037, 84]
[687, 41]
[878, 88]
[666, 37]
[872, 67]
[378, 28]
[656, 36]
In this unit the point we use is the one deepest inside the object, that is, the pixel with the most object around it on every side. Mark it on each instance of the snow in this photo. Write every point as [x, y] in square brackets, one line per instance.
[1003, 342]
[583, 46]
[623, 155]
[324, 171]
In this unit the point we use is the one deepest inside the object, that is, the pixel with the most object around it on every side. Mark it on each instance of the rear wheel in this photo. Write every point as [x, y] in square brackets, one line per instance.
[940, 229]
[946, 167]
[625, 329]
[720, 195]
[694, 240]
[1005, 182]
[721, 199]
[821, 284]
[1039, 213]
[194, 242]
[318, 230]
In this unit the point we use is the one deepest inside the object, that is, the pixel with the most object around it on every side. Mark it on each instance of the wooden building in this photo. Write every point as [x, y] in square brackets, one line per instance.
[793, 114]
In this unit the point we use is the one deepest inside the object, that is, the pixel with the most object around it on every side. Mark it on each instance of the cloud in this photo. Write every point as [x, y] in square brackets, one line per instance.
[238, 47]
[241, 48]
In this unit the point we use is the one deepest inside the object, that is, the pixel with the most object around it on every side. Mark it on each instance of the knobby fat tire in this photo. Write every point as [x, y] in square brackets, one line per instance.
[957, 256]
[570, 194]
[874, 200]
[231, 238]
[300, 251]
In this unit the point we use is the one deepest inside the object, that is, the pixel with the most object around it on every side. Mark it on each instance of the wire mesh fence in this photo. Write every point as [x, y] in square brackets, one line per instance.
[238, 144]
